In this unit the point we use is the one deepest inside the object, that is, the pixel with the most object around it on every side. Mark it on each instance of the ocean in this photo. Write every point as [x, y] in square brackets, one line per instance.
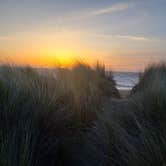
[125, 80]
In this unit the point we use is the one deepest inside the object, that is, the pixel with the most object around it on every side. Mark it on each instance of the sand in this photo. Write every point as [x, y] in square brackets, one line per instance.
[124, 93]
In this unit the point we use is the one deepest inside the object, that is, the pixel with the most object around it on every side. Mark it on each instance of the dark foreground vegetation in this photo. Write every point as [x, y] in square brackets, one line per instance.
[60, 119]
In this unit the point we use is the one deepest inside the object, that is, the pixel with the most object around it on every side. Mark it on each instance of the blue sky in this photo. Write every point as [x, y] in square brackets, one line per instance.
[119, 30]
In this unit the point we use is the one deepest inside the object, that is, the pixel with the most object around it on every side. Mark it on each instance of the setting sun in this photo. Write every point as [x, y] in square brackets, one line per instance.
[64, 58]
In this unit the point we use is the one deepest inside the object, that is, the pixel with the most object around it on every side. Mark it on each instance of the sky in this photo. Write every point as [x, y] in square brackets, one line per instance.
[125, 35]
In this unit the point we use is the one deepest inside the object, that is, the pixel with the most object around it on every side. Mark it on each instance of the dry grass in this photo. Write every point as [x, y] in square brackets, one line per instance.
[58, 118]
[137, 134]
[43, 116]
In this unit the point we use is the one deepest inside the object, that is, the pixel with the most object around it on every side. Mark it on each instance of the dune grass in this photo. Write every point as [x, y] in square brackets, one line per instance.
[58, 118]
[86, 88]
[42, 115]
[138, 135]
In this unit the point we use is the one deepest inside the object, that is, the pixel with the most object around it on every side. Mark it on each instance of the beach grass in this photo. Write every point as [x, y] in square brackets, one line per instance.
[61, 118]
[42, 114]
[136, 133]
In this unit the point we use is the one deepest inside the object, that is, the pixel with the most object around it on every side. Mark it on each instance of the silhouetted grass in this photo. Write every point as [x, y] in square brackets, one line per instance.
[86, 88]
[152, 79]
[43, 116]
[137, 134]
[59, 118]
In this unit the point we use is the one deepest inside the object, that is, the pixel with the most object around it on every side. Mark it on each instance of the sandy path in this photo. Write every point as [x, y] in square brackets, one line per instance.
[115, 108]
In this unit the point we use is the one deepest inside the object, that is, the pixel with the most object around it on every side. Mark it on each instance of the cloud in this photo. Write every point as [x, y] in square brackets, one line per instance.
[111, 9]
[86, 14]
[126, 37]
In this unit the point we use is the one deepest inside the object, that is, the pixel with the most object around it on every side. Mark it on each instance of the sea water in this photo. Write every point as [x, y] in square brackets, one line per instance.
[126, 80]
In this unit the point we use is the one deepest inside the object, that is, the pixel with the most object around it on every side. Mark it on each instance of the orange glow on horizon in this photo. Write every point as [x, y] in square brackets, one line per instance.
[66, 48]
[49, 58]
[59, 57]
[68, 58]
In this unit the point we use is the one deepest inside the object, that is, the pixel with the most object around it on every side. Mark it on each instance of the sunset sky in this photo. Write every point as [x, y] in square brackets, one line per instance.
[123, 34]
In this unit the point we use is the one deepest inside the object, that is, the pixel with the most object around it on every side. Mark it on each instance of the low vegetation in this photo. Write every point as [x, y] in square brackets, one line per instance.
[60, 118]
[137, 134]
[42, 115]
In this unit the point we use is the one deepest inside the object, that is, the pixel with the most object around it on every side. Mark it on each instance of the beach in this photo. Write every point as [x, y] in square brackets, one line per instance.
[124, 93]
